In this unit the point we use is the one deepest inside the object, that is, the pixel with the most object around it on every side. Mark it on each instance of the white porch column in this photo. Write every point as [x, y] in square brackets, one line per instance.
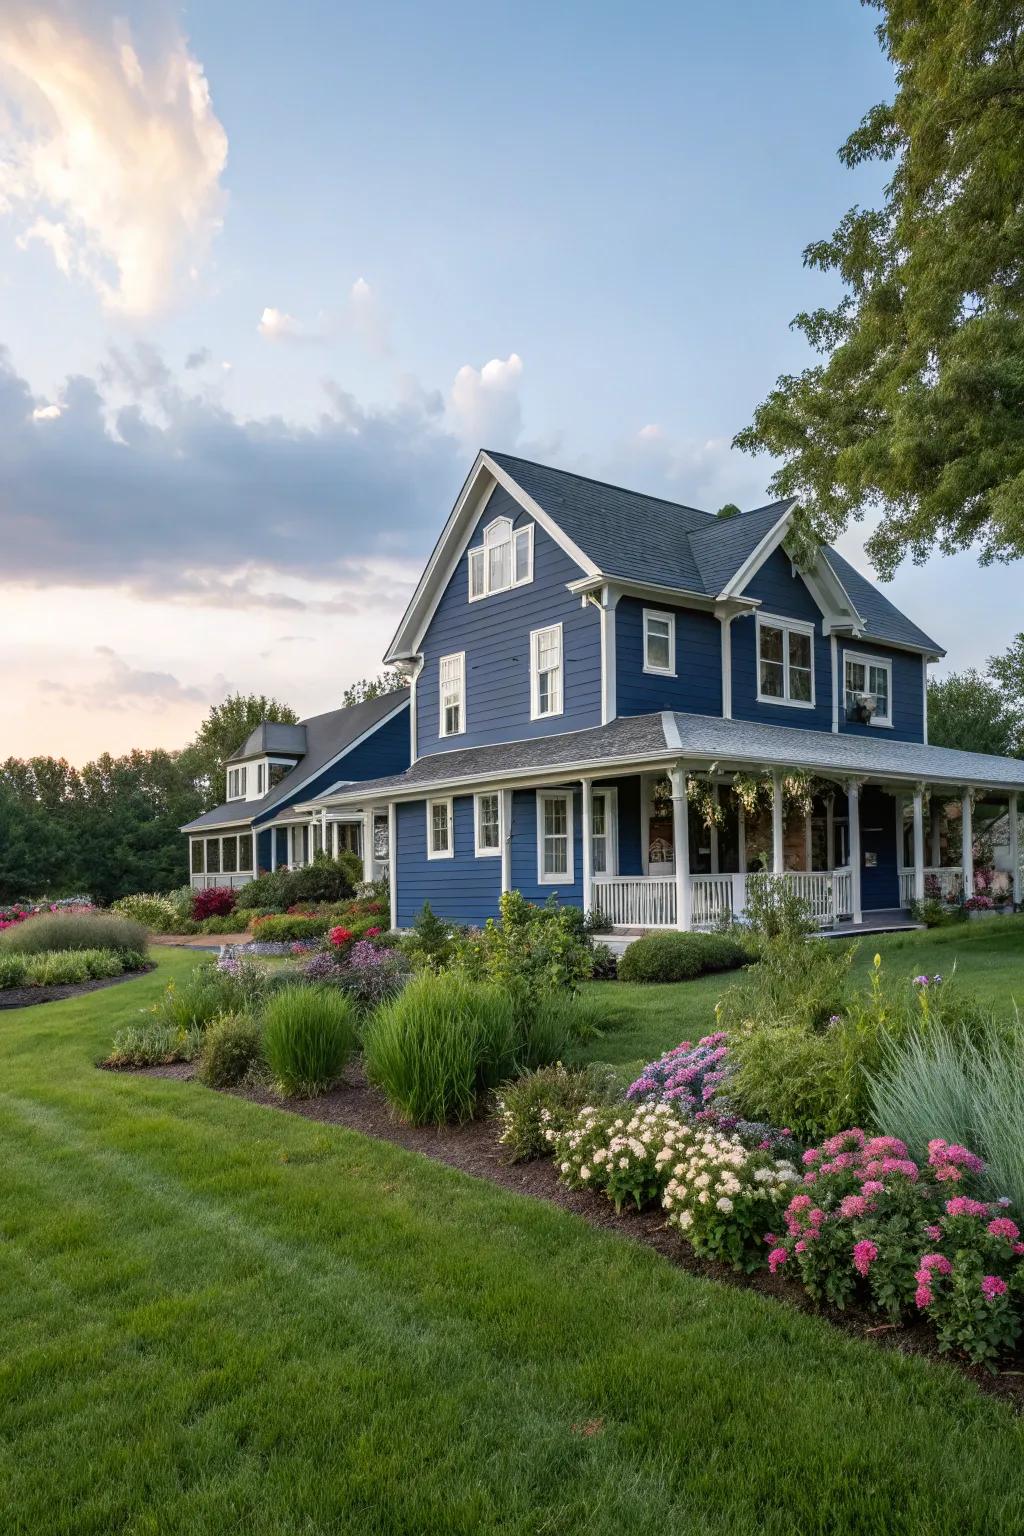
[741, 838]
[273, 849]
[808, 842]
[918, 843]
[714, 833]
[323, 831]
[935, 809]
[369, 863]
[830, 832]
[778, 825]
[967, 838]
[587, 840]
[393, 863]
[681, 844]
[1015, 850]
[506, 841]
[853, 803]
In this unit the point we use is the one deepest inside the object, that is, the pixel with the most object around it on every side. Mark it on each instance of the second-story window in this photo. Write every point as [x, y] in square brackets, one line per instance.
[503, 560]
[453, 694]
[659, 642]
[236, 783]
[868, 681]
[785, 661]
[546, 688]
[261, 778]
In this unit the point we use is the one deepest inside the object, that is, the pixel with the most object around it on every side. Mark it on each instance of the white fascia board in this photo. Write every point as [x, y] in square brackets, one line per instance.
[215, 827]
[754, 561]
[451, 546]
[681, 597]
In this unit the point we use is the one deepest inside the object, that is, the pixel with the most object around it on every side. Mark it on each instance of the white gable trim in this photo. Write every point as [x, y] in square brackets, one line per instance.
[453, 543]
[757, 557]
[293, 790]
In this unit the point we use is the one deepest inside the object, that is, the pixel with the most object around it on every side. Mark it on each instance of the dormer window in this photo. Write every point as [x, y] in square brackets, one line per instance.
[236, 783]
[503, 560]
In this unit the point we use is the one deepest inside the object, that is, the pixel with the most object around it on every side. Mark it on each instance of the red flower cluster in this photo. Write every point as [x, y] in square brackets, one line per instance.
[339, 936]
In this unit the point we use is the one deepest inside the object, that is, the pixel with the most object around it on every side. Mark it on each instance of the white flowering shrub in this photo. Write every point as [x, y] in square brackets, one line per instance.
[627, 1153]
[723, 1197]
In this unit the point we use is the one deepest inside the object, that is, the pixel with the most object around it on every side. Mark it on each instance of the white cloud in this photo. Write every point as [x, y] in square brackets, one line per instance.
[484, 403]
[278, 325]
[112, 163]
[703, 474]
[122, 686]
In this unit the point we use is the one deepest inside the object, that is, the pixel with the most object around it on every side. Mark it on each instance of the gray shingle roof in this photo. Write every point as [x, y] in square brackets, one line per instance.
[272, 736]
[702, 738]
[326, 736]
[645, 539]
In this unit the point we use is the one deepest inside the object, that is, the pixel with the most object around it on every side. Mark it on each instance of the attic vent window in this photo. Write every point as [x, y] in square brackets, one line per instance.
[502, 561]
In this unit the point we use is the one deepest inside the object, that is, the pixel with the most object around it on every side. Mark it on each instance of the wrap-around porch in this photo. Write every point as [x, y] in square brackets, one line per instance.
[655, 856]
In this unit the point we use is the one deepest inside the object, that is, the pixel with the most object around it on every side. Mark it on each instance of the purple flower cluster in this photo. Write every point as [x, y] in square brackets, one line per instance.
[688, 1076]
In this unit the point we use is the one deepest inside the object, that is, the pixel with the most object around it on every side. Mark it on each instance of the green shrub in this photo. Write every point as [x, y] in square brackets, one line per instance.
[309, 1035]
[431, 942]
[324, 879]
[70, 967]
[775, 911]
[604, 963]
[232, 923]
[555, 1025]
[198, 1000]
[530, 951]
[12, 971]
[232, 1049]
[263, 893]
[286, 928]
[548, 1099]
[796, 981]
[441, 1044]
[659, 957]
[74, 930]
[152, 911]
[935, 913]
[151, 1044]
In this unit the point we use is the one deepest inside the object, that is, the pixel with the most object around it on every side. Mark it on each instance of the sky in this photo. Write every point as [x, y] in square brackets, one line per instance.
[271, 274]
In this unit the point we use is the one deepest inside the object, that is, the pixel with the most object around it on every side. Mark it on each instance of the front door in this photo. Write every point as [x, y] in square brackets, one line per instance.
[879, 874]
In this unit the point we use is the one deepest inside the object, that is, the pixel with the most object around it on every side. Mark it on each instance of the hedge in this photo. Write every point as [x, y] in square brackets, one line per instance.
[680, 956]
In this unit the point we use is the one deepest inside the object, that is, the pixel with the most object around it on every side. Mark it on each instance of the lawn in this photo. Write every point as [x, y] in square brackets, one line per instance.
[221, 1317]
[644, 1021]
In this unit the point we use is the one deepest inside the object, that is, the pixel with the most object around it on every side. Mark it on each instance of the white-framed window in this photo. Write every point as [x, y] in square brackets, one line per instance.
[603, 832]
[659, 642]
[555, 863]
[380, 836]
[546, 681]
[868, 675]
[452, 690]
[236, 783]
[785, 661]
[504, 559]
[487, 821]
[261, 779]
[440, 829]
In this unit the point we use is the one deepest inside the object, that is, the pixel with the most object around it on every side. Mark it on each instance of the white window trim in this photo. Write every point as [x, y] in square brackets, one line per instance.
[611, 795]
[460, 657]
[670, 620]
[241, 778]
[480, 851]
[868, 661]
[800, 626]
[569, 878]
[449, 852]
[535, 711]
[483, 549]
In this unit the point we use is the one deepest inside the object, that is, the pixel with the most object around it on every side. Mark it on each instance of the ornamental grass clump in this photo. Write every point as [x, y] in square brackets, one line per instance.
[440, 1046]
[721, 1195]
[152, 1043]
[309, 1033]
[74, 930]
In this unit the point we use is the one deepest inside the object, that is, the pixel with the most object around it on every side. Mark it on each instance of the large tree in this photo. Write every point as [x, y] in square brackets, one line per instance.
[220, 736]
[372, 688]
[967, 711]
[918, 407]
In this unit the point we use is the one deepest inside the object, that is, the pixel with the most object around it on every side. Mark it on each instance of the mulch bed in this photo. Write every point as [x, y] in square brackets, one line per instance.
[27, 997]
[474, 1149]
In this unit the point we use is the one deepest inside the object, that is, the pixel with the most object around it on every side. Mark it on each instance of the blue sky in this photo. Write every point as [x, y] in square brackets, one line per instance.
[302, 261]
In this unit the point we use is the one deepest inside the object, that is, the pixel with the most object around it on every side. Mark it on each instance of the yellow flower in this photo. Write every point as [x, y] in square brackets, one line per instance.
[878, 962]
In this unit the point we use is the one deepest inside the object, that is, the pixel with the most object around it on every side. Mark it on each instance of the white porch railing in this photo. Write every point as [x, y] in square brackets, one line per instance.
[950, 884]
[208, 882]
[649, 901]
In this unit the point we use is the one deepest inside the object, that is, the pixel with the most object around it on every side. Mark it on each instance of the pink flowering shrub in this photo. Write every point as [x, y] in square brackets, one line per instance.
[871, 1222]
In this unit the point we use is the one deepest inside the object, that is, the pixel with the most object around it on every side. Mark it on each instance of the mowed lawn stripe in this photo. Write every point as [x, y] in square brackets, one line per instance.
[221, 1317]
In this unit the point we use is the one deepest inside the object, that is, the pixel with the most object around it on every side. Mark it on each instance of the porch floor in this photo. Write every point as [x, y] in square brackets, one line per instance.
[884, 920]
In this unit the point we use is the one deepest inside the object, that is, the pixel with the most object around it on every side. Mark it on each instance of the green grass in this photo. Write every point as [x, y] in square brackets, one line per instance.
[643, 1021]
[220, 1317]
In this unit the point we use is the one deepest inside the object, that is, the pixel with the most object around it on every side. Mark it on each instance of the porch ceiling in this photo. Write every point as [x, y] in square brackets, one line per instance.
[632, 743]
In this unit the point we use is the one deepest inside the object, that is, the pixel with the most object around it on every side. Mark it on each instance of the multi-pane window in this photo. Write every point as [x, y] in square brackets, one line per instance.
[872, 676]
[213, 855]
[488, 824]
[236, 783]
[503, 560]
[229, 855]
[453, 694]
[785, 661]
[659, 642]
[439, 829]
[554, 839]
[245, 853]
[602, 845]
[546, 672]
[261, 778]
[197, 856]
[277, 772]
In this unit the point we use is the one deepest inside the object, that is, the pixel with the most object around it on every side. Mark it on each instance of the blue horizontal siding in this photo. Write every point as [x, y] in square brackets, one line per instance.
[462, 889]
[697, 686]
[907, 692]
[785, 594]
[631, 832]
[524, 852]
[495, 635]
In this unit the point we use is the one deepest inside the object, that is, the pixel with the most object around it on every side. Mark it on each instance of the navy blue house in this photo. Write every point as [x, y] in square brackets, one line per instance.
[260, 826]
[634, 704]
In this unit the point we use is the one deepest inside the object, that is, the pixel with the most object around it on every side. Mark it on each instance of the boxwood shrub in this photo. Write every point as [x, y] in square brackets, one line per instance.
[288, 927]
[680, 956]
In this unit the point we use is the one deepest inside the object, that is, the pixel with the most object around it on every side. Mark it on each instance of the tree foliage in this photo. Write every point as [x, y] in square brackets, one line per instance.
[372, 688]
[220, 736]
[981, 713]
[918, 406]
